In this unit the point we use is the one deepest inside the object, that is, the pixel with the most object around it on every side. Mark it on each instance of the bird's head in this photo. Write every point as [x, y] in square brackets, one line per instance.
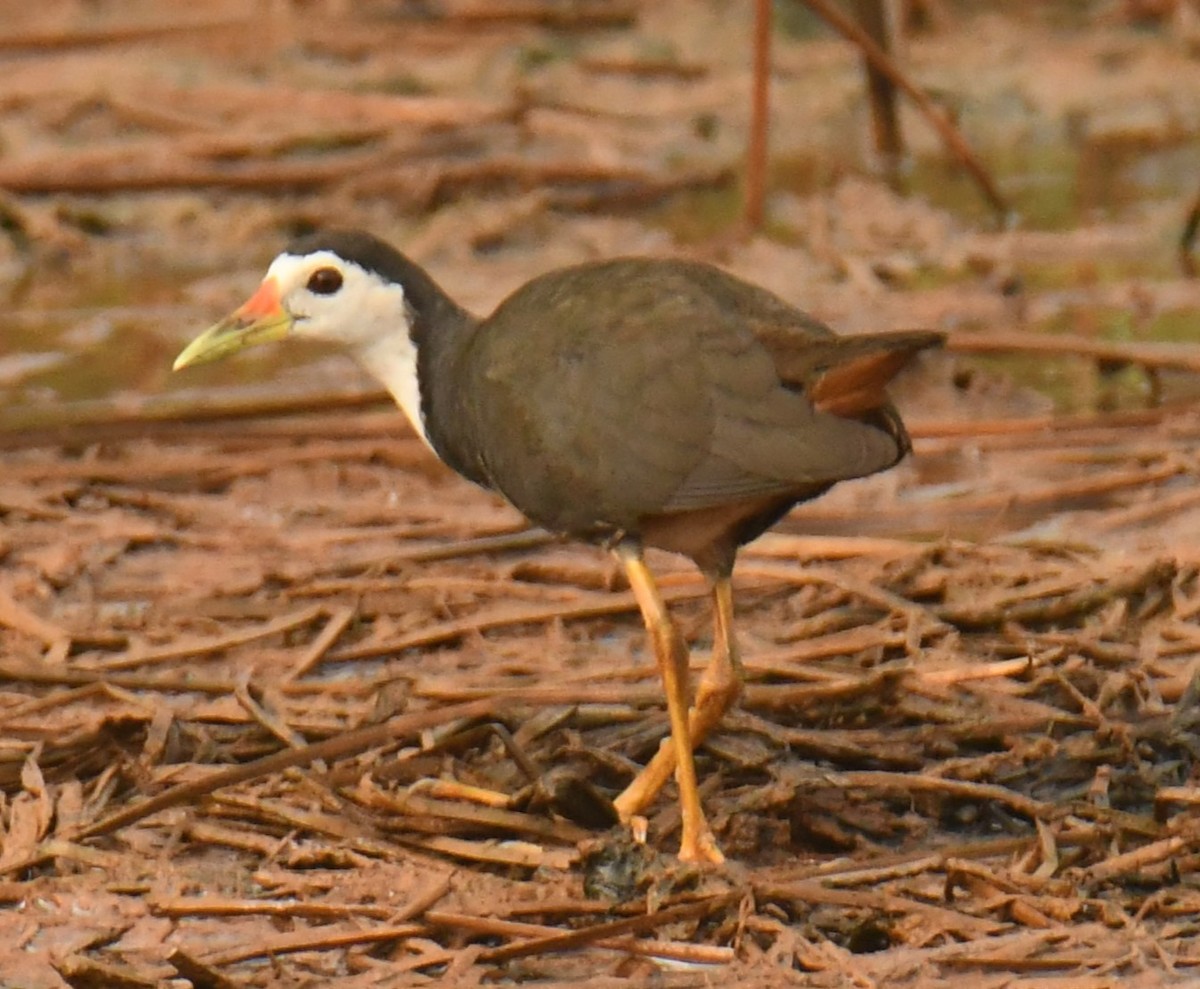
[346, 288]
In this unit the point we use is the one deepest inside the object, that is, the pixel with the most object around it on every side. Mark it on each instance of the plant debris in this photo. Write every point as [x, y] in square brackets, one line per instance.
[282, 702]
[981, 757]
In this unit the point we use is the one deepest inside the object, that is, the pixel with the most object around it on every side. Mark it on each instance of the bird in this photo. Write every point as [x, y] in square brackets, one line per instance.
[635, 402]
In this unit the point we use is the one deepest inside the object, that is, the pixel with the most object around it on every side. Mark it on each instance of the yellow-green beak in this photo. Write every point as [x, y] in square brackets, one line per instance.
[260, 319]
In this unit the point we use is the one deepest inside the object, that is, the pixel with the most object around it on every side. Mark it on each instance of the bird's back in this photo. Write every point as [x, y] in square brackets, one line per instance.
[616, 392]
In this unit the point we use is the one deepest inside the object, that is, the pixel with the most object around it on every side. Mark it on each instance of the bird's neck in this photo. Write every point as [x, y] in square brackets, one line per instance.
[418, 364]
[392, 359]
[442, 343]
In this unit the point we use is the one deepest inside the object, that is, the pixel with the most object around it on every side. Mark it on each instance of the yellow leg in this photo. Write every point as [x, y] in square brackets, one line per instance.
[719, 690]
[697, 843]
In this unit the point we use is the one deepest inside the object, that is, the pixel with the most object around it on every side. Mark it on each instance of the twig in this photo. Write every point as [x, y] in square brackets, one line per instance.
[643, 67]
[1026, 963]
[567, 184]
[578, 16]
[80, 972]
[1187, 795]
[219, 906]
[975, 671]
[182, 684]
[414, 805]
[254, 842]
[65, 175]
[423, 899]
[1052, 429]
[341, 104]
[703, 954]
[50, 701]
[318, 939]
[873, 15]
[276, 726]
[803, 575]
[811, 892]
[200, 975]
[936, 117]
[1152, 356]
[1140, 858]
[587, 606]
[17, 616]
[329, 749]
[183, 650]
[778, 545]
[760, 119]
[338, 622]
[981, 614]
[915, 782]
[508, 542]
[146, 470]
[589, 935]
[520, 853]
[77, 37]
[108, 421]
[785, 696]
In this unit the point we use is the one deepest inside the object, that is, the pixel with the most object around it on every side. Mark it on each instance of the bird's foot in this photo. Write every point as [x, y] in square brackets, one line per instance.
[644, 787]
[700, 848]
[698, 844]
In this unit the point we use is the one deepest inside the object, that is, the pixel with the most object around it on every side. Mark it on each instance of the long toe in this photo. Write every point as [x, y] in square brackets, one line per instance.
[700, 848]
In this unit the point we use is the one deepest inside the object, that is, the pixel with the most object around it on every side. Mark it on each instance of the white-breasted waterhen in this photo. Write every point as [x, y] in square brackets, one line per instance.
[635, 402]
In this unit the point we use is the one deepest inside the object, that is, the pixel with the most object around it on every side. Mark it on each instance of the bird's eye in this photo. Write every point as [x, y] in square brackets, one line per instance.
[325, 281]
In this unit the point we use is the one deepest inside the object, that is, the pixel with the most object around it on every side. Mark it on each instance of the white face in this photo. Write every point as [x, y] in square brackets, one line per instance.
[339, 301]
[336, 300]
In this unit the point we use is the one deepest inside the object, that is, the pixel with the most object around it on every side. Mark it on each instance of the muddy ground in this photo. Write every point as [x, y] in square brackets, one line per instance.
[284, 702]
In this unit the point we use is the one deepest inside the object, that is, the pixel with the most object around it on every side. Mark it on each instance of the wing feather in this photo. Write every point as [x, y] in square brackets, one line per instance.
[659, 386]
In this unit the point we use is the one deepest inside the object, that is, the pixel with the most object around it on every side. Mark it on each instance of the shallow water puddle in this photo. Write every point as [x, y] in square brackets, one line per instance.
[114, 341]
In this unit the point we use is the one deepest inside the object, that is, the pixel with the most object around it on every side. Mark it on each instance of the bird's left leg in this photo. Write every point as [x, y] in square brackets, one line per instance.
[697, 843]
[719, 689]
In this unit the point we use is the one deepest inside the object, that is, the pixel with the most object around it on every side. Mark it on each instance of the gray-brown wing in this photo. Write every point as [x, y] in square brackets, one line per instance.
[769, 438]
[593, 375]
[636, 387]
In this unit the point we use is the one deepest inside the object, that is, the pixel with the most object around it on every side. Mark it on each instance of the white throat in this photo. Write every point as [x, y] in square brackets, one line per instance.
[393, 360]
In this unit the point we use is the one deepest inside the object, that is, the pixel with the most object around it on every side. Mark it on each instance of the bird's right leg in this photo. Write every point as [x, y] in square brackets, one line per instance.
[697, 843]
[719, 689]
